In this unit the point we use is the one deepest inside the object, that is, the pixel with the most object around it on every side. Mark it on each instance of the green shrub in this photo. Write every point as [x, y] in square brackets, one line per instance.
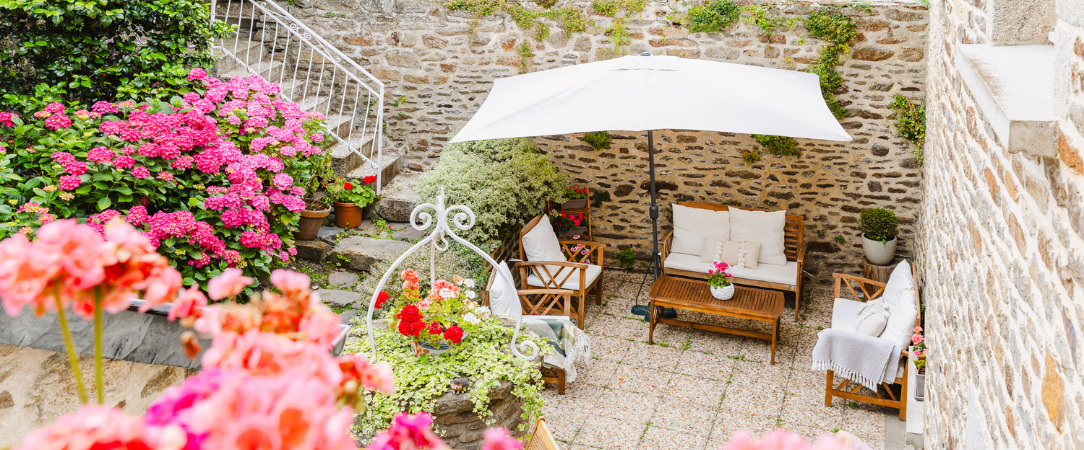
[713, 17]
[878, 224]
[778, 145]
[504, 181]
[598, 139]
[626, 257]
[96, 50]
[910, 122]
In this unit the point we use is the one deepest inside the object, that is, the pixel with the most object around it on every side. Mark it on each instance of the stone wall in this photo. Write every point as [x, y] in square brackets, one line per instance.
[439, 67]
[1001, 250]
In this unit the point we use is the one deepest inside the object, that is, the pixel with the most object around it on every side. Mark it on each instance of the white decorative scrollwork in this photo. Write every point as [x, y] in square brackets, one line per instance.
[463, 219]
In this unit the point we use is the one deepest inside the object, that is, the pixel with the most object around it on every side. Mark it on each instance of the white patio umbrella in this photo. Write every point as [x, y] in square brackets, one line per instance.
[645, 93]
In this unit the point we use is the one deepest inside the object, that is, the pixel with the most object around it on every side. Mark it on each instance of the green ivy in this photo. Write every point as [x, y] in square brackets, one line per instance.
[96, 50]
[758, 15]
[910, 123]
[525, 56]
[713, 17]
[484, 358]
[839, 30]
[777, 145]
[606, 8]
[619, 36]
[598, 139]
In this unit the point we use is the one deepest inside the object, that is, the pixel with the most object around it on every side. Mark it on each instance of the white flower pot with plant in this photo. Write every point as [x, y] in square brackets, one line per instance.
[722, 287]
[879, 230]
[918, 355]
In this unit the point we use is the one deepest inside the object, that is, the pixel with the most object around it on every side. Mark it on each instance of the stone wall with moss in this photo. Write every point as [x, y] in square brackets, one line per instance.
[439, 65]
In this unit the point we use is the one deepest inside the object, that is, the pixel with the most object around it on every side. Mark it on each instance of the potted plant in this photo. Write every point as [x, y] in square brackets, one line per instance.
[350, 196]
[722, 287]
[577, 198]
[569, 225]
[918, 355]
[317, 200]
[879, 230]
[440, 320]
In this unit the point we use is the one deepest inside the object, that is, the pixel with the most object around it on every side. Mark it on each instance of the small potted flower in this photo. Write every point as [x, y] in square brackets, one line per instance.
[879, 230]
[437, 321]
[918, 355]
[577, 198]
[722, 287]
[317, 200]
[350, 197]
[568, 225]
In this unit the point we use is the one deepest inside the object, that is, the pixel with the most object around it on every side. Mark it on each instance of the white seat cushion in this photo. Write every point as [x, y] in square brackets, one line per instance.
[764, 228]
[845, 317]
[785, 274]
[573, 281]
[692, 225]
[899, 297]
[503, 300]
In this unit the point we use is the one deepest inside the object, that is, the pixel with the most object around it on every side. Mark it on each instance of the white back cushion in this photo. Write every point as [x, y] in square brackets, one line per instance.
[899, 298]
[692, 225]
[764, 228]
[540, 244]
[503, 300]
[872, 318]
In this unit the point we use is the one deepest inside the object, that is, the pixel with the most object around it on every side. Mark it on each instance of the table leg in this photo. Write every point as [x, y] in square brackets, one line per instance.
[775, 337]
[651, 321]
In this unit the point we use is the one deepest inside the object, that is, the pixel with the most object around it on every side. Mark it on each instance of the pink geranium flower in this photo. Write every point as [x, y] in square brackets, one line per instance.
[187, 303]
[409, 432]
[499, 439]
[228, 284]
[89, 428]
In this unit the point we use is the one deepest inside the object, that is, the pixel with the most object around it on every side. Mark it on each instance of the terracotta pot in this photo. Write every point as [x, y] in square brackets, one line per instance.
[347, 215]
[310, 223]
[579, 203]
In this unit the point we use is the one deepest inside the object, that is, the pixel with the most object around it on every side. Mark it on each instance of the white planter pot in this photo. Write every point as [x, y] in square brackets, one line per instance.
[723, 293]
[877, 252]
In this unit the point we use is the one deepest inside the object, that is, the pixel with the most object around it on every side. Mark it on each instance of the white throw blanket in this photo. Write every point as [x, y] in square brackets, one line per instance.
[857, 357]
[569, 339]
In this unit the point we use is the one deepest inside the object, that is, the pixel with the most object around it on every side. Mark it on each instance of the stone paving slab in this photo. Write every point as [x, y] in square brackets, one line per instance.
[694, 389]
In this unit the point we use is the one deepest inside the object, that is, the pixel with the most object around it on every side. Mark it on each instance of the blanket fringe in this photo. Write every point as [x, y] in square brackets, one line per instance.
[846, 373]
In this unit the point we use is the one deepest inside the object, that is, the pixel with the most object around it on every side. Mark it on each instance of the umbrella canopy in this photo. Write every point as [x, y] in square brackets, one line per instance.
[639, 93]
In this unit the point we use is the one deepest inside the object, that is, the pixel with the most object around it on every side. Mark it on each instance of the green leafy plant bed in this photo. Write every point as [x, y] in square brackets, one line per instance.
[484, 359]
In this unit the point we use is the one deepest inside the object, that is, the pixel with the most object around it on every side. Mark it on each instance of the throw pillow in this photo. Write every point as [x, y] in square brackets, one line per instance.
[692, 225]
[540, 244]
[713, 248]
[764, 228]
[872, 318]
[503, 300]
[741, 255]
[899, 298]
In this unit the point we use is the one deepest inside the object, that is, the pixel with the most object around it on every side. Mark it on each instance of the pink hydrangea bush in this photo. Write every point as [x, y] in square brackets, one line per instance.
[214, 179]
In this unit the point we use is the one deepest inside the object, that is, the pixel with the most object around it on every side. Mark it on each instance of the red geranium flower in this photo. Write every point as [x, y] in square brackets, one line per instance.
[348, 186]
[435, 328]
[409, 313]
[454, 334]
[369, 179]
[380, 299]
[411, 327]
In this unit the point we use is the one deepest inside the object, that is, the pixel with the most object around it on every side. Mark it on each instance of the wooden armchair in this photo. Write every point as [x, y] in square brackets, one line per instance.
[892, 395]
[542, 302]
[581, 272]
[541, 439]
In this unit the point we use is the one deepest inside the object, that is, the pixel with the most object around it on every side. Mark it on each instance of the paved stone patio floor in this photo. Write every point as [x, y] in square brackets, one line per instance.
[693, 389]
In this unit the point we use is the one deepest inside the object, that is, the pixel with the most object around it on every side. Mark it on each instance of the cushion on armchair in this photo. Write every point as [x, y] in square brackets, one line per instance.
[692, 225]
[503, 300]
[899, 298]
[541, 244]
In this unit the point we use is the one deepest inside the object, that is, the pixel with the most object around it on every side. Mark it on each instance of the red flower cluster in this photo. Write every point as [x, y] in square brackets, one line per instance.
[348, 185]
[435, 328]
[576, 219]
[410, 321]
[368, 179]
[453, 334]
[381, 299]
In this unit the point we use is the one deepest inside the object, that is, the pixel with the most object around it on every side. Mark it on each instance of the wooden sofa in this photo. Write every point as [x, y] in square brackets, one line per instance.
[794, 248]
[892, 395]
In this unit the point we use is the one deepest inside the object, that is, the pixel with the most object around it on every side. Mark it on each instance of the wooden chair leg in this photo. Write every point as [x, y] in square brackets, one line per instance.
[560, 382]
[903, 393]
[828, 389]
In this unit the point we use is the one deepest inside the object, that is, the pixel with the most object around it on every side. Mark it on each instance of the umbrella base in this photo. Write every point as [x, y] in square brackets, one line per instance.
[645, 310]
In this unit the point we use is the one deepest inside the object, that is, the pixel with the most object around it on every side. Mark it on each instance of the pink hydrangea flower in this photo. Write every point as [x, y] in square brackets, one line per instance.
[100, 154]
[140, 172]
[197, 74]
[69, 182]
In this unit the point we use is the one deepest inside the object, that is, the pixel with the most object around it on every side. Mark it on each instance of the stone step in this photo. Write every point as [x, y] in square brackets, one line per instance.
[360, 253]
[244, 49]
[392, 162]
[398, 199]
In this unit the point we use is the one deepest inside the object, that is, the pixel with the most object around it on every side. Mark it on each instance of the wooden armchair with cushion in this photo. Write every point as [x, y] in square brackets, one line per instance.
[549, 263]
[541, 438]
[900, 297]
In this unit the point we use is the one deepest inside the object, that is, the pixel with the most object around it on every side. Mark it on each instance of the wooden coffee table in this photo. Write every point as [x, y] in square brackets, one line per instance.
[694, 295]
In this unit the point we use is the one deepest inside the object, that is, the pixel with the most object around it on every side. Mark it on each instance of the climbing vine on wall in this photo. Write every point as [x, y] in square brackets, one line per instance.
[910, 123]
[839, 30]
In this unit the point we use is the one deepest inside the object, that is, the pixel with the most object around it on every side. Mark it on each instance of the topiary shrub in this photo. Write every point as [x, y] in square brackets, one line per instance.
[878, 224]
[97, 49]
[504, 181]
[713, 17]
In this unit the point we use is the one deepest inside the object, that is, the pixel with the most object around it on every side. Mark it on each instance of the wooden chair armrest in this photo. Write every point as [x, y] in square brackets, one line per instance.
[594, 251]
[665, 243]
[801, 255]
[852, 280]
[575, 265]
[557, 279]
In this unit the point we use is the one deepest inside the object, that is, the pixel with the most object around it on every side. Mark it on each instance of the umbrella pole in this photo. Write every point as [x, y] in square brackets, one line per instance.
[653, 211]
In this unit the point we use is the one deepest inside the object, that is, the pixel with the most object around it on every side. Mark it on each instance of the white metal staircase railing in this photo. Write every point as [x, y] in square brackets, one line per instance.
[270, 42]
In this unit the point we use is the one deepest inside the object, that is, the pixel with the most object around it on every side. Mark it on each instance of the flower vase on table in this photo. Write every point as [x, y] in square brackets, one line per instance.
[722, 287]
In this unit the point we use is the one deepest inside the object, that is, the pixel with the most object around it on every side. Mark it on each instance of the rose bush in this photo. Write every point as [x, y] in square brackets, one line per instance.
[213, 178]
